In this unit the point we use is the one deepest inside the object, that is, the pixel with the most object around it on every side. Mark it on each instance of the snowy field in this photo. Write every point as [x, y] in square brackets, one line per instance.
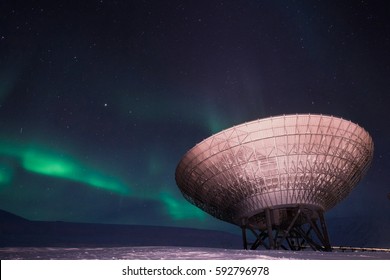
[176, 253]
[21, 239]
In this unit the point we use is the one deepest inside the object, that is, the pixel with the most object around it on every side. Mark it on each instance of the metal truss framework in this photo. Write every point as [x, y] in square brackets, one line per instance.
[307, 228]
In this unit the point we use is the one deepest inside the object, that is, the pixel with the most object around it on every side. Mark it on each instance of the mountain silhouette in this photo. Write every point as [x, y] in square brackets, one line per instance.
[17, 231]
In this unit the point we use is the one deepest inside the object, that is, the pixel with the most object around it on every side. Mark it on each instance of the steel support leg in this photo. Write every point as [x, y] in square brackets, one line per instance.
[269, 228]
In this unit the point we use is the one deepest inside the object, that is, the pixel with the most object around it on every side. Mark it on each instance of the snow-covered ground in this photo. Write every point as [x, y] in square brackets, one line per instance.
[176, 253]
[27, 240]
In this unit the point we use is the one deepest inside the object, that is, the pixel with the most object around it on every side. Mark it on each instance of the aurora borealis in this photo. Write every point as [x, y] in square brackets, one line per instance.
[99, 100]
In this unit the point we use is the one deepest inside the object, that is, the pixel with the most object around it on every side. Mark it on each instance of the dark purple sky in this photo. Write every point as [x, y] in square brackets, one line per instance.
[99, 100]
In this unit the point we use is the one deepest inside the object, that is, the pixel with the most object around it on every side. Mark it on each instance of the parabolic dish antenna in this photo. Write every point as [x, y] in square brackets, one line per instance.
[277, 176]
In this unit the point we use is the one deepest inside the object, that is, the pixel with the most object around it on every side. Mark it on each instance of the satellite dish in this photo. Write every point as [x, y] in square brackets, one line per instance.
[277, 174]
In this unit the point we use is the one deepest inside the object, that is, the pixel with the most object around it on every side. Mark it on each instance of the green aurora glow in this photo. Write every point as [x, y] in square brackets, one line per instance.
[6, 174]
[48, 163]
[179, 209]
[45, 162]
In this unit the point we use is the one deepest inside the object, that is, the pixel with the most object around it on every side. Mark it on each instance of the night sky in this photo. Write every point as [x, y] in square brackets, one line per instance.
[99, 100]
